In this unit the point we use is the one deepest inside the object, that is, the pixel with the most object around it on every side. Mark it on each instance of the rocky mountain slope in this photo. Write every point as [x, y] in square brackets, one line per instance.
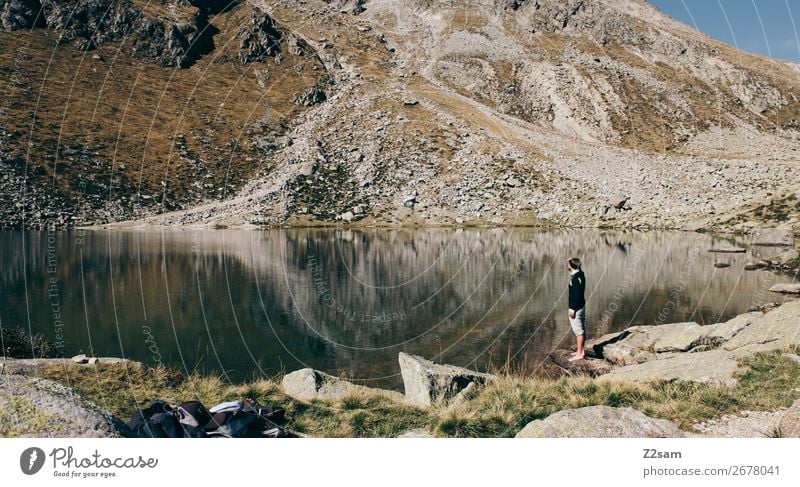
[582, 112]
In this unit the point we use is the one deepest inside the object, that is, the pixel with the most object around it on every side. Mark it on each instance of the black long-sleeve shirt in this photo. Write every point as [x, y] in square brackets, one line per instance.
[577, 286]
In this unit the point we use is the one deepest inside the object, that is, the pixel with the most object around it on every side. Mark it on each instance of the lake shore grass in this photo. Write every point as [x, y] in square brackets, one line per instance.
[766, 381]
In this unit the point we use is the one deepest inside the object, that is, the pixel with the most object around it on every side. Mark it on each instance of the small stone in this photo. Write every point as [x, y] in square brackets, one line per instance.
[720, 265]
[727, 250]
[80, 359]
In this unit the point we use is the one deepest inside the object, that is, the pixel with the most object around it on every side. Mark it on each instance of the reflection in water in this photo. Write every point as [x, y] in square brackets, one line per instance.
[347, 301]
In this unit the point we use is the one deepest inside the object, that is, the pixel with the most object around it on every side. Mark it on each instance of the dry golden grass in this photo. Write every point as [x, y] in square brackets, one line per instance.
[767, 381]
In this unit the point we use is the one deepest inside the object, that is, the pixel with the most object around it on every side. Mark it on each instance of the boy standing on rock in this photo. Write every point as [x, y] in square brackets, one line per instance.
[577, 303]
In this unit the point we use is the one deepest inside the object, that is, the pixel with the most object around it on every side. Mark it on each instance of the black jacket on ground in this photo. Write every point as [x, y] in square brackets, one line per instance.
[577, 286]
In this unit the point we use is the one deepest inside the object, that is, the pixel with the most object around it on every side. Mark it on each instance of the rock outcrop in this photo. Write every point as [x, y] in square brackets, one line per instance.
[20, 14]
[43, 408]
[740, 337]
[428, 384]
[175, 33]
[643, 343]
[600, 422]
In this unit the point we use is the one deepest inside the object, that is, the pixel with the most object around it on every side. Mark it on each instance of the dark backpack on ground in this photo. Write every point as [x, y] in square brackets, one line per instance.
[158, 420]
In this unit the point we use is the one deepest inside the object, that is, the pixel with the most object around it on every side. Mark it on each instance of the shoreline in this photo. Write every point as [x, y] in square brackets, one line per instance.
[685, 374]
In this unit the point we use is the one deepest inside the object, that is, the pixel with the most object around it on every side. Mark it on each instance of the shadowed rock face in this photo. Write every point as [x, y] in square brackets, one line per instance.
[176, 34]
[20, 14]
[600, 422]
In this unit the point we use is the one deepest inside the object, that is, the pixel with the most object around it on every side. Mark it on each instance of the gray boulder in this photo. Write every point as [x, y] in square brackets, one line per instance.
[785, 288]
[428, 384]
[34, 407]
[772, 236]
[310, 384]
[790, 422]
[600, 422]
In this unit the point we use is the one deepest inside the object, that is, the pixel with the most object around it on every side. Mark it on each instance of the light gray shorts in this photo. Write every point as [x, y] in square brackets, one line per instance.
[578, 323]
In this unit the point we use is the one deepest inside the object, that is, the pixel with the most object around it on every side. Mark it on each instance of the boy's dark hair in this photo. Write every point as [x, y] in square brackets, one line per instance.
[574, 263]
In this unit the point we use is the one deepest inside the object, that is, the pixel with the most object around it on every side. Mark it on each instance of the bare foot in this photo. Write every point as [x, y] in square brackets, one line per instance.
[575, 357]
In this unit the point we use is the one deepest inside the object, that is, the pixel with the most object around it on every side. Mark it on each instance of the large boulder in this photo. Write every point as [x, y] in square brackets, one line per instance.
[310, 384]
[600, 422]
[35, 407]
[772, 236]
[429, 384]
[790, 422]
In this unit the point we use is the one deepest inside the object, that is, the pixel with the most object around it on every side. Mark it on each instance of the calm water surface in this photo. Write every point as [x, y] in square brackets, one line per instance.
[247, 303]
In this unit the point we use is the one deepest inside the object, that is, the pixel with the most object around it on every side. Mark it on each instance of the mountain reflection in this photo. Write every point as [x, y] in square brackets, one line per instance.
[347, 301]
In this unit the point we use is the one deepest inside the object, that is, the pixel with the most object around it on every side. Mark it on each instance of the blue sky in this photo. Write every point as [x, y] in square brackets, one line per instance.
[768, 27]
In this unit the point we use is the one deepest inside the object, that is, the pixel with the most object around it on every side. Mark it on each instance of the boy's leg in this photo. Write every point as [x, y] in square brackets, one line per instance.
[578, 324]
